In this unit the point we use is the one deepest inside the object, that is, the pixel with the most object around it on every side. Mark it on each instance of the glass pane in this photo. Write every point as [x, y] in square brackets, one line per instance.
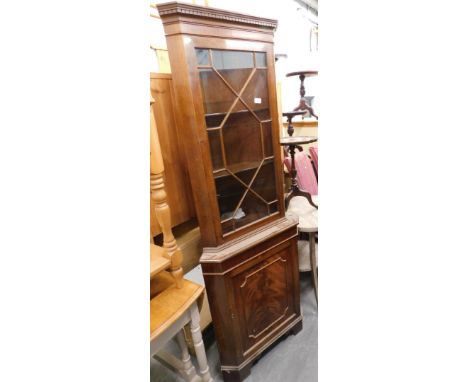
[241, 132]
[203, 56]
[273, 207]
[215, 149]
[252, 208]
[229, 192]
[246, 175]
[242, 142]
[232, 59]
[256, 95]
[217, 97]
[263, 114]
[267, 139]
[227, 226]
[260, 59]
[214, 120]
[236, 78]
[264, 184]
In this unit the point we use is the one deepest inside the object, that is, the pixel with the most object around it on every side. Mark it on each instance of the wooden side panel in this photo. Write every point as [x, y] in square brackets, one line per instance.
[179, 194]
[191, 129]
[223, 313]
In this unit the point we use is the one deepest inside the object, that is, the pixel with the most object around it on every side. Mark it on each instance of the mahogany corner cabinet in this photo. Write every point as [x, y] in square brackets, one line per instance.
[223, 74]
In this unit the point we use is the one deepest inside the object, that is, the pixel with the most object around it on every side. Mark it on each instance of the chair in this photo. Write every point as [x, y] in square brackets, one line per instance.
[314, 155]
[173, 299]
[305, 172]
[308, 223]
[307, 180]
[172, 309]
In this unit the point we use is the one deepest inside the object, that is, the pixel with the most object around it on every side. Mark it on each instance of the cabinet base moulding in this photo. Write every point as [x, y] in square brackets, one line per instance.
[239, 373]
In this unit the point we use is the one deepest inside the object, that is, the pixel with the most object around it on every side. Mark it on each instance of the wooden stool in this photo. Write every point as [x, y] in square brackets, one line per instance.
[173, 300]
[171, 309]
[308, 222]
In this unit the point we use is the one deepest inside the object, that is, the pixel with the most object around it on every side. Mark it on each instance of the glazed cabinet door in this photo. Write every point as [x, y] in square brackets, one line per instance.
[263, 296]
[238, 122]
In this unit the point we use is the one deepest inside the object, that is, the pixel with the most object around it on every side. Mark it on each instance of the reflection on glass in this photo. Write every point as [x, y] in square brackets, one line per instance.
[217, 97]
[231, 59]
[242, 141]
[264, 183]
[229, 192]
[260, 59]
[236, 78]
[239, 128]
[253, 208]
[203, 57]
[256, 94]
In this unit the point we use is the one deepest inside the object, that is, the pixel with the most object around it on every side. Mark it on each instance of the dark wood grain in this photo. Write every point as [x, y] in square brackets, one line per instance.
[254, 297]
[228, 123]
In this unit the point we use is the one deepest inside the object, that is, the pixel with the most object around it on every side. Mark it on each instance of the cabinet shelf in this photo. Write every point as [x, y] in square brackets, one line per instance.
[217, 118]
[240, 167]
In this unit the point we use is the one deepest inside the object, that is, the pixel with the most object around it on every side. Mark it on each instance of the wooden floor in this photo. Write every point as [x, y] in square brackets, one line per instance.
[292, 359]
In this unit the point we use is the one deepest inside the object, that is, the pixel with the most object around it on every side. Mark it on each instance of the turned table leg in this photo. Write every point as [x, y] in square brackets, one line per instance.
[188, 371]
[198, 344]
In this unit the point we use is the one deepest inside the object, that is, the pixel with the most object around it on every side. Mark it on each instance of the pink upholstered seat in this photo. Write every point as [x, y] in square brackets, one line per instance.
[305, 173]
[314, 155]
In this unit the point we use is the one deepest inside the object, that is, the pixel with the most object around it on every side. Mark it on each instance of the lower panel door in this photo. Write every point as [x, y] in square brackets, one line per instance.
[264, 297]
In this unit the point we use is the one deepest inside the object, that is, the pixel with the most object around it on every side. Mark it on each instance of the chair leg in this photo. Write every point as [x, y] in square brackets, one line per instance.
[313, 263]
[189, 373]
[198, 344]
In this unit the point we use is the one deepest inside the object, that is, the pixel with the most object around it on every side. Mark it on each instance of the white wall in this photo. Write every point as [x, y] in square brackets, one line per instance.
[293, 38]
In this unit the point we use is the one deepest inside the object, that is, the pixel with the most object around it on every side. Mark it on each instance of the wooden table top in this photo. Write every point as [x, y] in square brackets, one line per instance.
[305, 73]
[294, 113]
[287, 141]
